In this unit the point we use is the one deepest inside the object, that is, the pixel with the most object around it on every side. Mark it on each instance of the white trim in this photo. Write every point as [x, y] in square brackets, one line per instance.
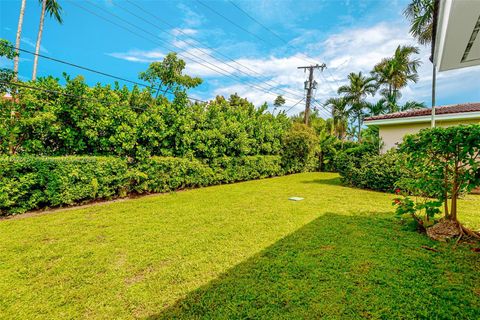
[427, 118]
[445, 7]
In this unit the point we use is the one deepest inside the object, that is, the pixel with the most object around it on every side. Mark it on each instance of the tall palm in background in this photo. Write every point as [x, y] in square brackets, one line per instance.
[54, 10]
[355, 93]
[420, 15]
[18, 38]
[395, 72]
[340, 115]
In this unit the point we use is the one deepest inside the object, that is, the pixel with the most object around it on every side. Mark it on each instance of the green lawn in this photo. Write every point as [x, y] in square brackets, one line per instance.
[237, 251]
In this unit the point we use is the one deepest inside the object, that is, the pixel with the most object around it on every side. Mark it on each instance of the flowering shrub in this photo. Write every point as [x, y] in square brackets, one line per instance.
[422, 211]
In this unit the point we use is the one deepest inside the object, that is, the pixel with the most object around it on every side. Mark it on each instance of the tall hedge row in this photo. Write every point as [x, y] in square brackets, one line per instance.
[28, 183]
[34, 182]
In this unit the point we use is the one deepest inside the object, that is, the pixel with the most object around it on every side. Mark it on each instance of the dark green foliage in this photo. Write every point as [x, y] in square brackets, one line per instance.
[299, 148]
[228, 169]
[28, 183]
[160, 174]
[360, 167]
[329, 148]
[444, 163]
[116, 121]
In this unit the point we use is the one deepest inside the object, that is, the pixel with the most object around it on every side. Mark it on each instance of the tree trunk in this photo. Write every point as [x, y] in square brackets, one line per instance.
[19, 36]
[455, 189]
[39, 40]
[359, 128]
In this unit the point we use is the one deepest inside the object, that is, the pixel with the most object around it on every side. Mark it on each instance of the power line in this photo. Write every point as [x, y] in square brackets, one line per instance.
[281, 39]
[156, 17]
[98, 72]
[232, 22]
[16, 84]
[295, 105]
[162, 41]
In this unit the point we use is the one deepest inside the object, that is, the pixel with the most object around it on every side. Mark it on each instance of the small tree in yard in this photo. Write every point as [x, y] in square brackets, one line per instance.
[445, 163]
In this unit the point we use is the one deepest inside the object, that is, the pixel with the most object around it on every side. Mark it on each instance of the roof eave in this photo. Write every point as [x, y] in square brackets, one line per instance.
[425, 119]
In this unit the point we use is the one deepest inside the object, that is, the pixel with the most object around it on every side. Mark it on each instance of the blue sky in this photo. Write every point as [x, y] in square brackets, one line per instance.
[348, 35]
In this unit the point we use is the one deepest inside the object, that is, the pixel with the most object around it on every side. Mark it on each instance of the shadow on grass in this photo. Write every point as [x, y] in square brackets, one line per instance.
[342, 267]
[329, 181]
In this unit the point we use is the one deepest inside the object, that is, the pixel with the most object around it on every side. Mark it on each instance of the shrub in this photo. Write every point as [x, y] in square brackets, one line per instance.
[299, 148]
[444, 163]
[161, 174]
[375, 172]
[230, 169]
[28, 183]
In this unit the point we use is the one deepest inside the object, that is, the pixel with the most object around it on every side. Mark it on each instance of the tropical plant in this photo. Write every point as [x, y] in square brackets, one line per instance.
[420, 14]
[18, 37]
[54, 9]
[411, 105]
[279, 101]
[167, 76]
[340, 114]
[445, 163]
[299, 147]
[395, 72]
[6, 74]
[355, 93]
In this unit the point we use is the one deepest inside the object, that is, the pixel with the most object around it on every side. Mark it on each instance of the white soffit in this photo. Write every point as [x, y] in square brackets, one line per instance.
[457, 43]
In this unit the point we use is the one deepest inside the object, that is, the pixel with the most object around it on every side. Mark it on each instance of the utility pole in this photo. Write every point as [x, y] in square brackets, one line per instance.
[310, 84]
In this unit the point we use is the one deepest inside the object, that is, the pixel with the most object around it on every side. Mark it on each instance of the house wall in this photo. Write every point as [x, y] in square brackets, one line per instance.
[393, 134]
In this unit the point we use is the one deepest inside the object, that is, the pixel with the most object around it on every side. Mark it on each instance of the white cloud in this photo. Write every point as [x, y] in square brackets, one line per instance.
[350, 50]
[191, 18]
[184, 31]
[33, 44]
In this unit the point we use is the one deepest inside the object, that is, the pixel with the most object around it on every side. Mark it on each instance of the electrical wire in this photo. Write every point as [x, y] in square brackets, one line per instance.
[157, 18]
[16, 84]
[281, 39]
[159, 40]
[96, 71]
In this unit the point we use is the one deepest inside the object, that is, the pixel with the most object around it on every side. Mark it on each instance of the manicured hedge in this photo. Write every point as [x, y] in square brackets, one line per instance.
[229, 169]
[161, 174]
[28, 183]
[369, 171]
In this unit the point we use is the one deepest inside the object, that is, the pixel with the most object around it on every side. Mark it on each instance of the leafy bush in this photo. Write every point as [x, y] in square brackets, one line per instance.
[444, 163]
[28, 183]
[352, 158]
[299, 148]
[230, 169]
[329, 148]
[375, 172]
[161, 174]
[114, 121]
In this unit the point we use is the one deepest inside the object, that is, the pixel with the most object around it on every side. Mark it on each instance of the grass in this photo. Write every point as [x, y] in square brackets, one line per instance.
[237, 251]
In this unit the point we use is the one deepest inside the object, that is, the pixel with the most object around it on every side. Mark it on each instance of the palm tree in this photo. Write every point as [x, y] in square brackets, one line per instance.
[54, 10]
[19, 36]
[420, 14]
[395, 72]
[411, 105]
[377, 108]
[355, 94]
[340, 115]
